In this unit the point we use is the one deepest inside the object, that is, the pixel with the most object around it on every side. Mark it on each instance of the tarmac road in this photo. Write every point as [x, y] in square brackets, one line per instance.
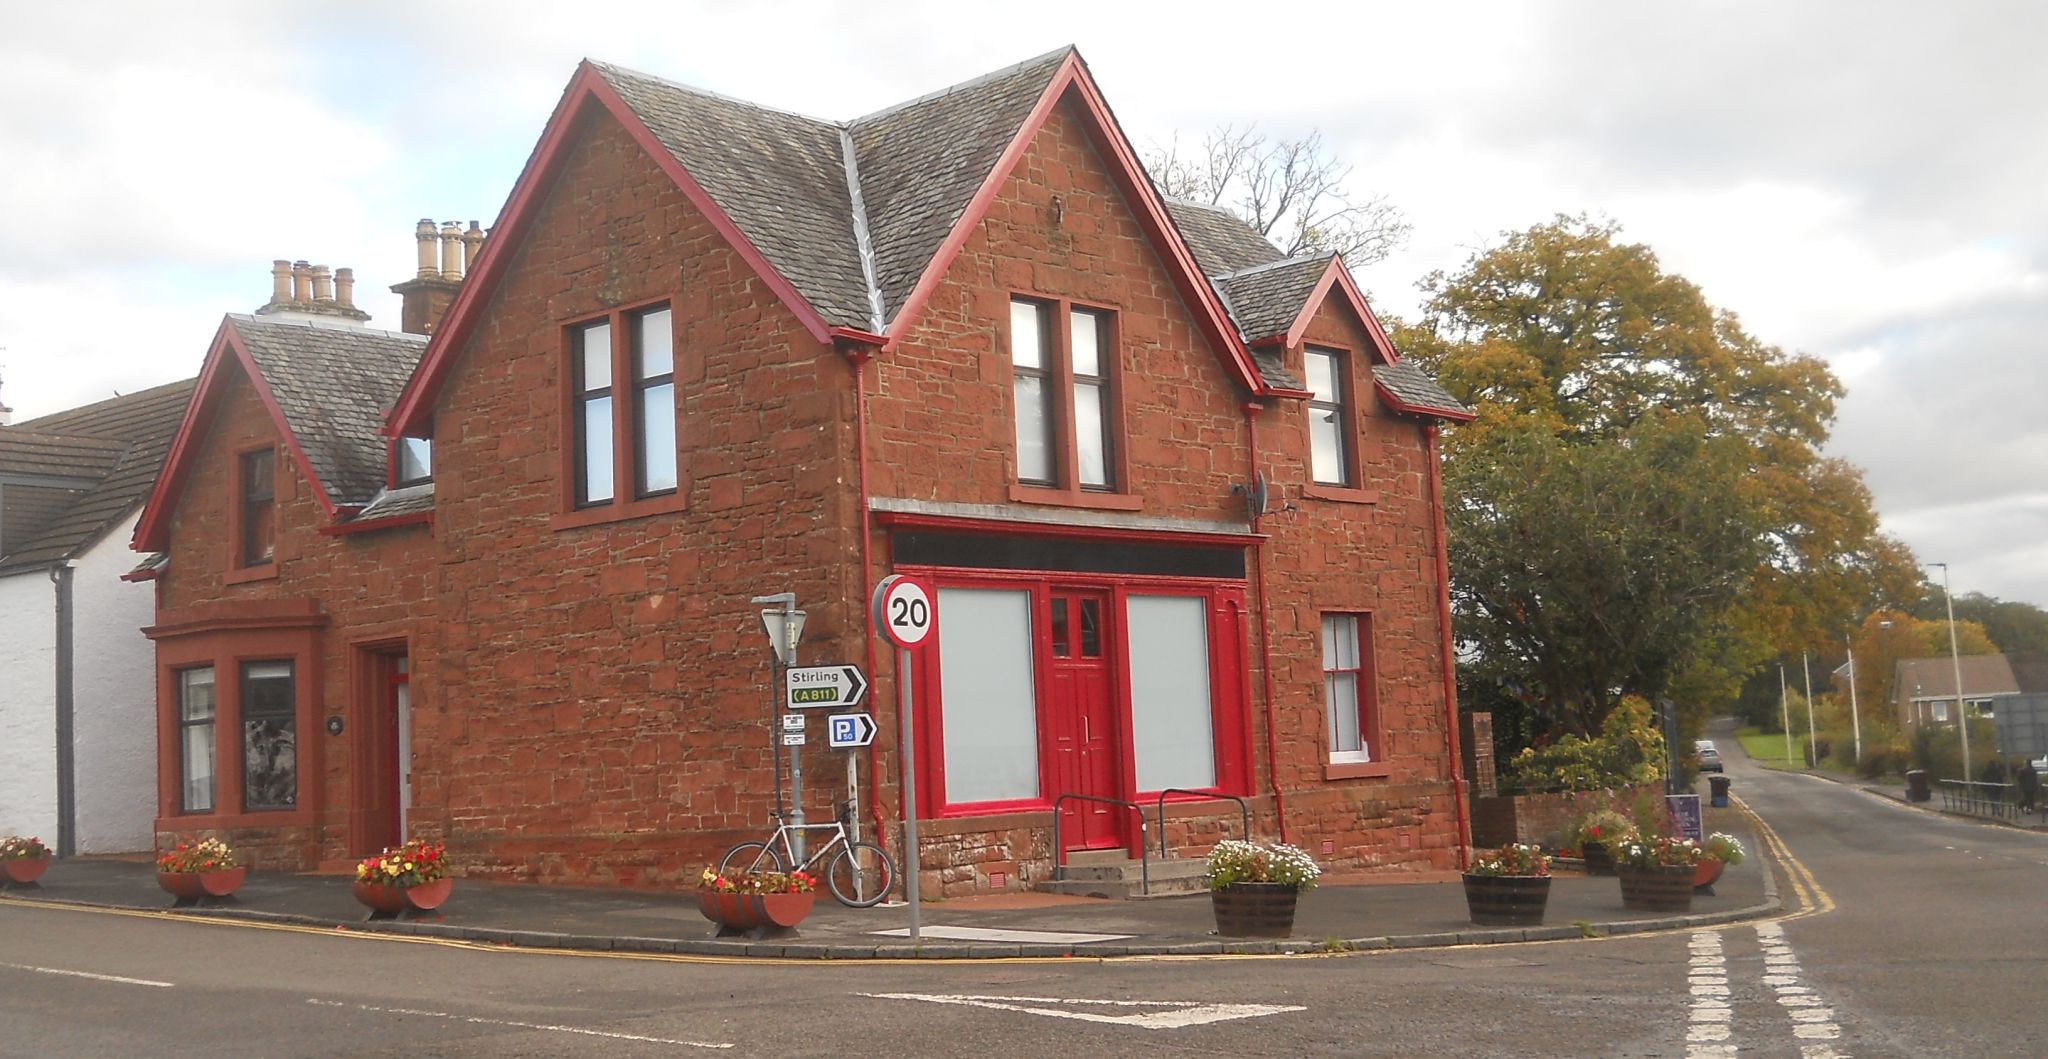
[1919, 936]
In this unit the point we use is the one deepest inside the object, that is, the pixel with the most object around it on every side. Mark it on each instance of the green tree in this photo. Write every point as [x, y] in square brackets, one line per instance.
[1563, 330]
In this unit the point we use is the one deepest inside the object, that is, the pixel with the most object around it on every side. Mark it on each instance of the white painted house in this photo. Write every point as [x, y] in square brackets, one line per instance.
[77, 677]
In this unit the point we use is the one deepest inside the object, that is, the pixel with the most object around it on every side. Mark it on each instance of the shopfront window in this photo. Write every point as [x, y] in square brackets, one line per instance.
[1172, 723]
[990, 697]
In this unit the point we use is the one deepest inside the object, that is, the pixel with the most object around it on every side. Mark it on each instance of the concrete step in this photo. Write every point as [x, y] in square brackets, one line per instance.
[1124, 878]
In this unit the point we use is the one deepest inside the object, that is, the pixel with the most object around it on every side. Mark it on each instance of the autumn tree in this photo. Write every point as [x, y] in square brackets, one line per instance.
[1566, 331]
[1292, 190]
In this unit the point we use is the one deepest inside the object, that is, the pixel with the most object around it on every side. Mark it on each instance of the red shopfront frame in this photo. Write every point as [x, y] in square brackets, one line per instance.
[1229, 683]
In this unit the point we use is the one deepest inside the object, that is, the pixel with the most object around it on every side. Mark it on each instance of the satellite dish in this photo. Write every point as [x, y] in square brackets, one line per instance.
[1255, 499]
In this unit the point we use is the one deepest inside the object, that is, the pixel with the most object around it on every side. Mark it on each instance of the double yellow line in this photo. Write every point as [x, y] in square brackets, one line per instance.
[1813, 899]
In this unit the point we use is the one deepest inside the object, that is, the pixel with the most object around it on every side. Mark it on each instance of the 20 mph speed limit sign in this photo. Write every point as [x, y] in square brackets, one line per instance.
[906, 610]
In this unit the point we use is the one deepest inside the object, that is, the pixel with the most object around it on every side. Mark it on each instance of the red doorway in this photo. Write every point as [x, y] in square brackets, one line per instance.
[1081, 719]
[383, 749]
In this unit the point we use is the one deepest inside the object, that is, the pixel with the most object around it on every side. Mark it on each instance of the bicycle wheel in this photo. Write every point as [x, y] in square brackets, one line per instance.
[860, 875]
[750, 856]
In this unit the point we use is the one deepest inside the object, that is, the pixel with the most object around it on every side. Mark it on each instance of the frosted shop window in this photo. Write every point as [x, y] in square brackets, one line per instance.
[989, 701]
[1172, 722]
[196, 708]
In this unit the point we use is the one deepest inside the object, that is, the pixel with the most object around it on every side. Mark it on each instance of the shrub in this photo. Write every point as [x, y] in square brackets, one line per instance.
[1605, 826]
[1628, 752]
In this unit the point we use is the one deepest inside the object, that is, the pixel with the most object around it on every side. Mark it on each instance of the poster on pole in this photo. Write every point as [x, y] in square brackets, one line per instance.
[1685, 810]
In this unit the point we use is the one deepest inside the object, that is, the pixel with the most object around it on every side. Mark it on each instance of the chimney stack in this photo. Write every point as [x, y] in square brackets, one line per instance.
[300, 290]
[446, 253]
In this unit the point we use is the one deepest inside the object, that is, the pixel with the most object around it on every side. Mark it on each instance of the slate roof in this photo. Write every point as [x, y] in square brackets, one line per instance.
[334, 383]
[1221, 241]
[1935, 678]
[787, 181]
[1265, 299]
[1415, 388]
[120, 442]
[392, 503]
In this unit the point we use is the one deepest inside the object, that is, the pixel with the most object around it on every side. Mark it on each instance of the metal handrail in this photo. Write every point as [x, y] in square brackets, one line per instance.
[1244, 810]
[1973, 796]
[1144, 843]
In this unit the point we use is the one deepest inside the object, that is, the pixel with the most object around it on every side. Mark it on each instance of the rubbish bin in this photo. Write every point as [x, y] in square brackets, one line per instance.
[1916, 785]
[1717, 787]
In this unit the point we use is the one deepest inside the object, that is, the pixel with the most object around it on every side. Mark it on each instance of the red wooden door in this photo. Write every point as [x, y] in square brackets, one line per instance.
[1081, 720]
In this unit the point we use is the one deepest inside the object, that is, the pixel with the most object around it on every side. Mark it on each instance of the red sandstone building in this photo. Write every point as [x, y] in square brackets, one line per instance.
[712, 351]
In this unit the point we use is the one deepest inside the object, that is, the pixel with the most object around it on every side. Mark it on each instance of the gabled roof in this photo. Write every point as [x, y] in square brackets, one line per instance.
[1221, 240]
[1935, 678]
[326, 387]
[850, 224]
[1266, 299]
[116, 445]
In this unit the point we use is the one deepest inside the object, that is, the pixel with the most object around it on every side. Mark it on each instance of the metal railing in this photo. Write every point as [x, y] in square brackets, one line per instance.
[1144, 843]
[1985, 798]
[1244, 811]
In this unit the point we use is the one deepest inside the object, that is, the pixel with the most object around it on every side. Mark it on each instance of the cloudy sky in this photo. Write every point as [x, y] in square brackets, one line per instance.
[1867, 182]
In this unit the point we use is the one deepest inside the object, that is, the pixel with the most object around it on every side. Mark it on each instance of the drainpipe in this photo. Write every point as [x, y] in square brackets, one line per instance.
[1450, 674]
[1251, 411]
[858, 356]
[67, 795]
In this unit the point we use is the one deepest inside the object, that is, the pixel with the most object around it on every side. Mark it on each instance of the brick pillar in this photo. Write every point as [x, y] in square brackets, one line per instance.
[1477, 753]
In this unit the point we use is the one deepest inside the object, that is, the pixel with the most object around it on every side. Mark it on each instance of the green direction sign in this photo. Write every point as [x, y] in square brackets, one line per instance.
[824, 687]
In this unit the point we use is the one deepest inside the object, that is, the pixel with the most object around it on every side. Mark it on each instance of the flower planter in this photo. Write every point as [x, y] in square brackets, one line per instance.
[1255, 910]
[1657, 889]
[24, 871]
[1507, 900]
[194, 887]
[1705, 873]
[427, 897]
[1597, 860]
[760, 916]
[384, 902]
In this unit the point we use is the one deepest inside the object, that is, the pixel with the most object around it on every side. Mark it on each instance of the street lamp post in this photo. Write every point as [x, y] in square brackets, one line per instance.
[1812, 747]
[1785, 715]
[1855, 714]
[1955, 658]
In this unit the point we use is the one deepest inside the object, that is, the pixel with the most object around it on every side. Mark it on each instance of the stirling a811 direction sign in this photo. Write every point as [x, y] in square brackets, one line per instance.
[824, 687]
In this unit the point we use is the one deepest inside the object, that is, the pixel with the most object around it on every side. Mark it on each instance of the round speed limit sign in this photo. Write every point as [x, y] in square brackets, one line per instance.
[906, 610]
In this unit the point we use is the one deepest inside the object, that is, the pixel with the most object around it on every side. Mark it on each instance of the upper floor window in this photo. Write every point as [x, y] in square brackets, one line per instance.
[1330, 417]
[629, 354]
[415, 460]
[257, 489]
[1063, 360]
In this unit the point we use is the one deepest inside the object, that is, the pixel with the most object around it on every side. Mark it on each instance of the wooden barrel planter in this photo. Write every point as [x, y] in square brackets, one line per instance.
[1255, 910]
[1507, 900]
[1597, 860]
[1657, 889]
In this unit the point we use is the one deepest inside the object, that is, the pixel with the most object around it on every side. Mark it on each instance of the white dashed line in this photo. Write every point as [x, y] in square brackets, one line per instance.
[515, 1025]
[115, 978]
[1710, 1031]
[1813, 1023]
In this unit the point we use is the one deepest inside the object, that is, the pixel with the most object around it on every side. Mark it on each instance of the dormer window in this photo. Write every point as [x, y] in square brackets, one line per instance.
[1331, 418]
[415, 461]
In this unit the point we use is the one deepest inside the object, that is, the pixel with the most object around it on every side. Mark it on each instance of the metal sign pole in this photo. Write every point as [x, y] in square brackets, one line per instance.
[909, 746]
[796, 759]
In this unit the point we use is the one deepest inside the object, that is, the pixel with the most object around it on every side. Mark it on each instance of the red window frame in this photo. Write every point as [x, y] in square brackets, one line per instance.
[252, 511]
[1229, 681]
[1065, 486]
[1366, 701]
[628, 436]
[226, 647]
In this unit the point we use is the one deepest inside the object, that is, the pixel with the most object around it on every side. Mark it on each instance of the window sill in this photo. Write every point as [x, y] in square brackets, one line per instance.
[1340, 494]
[249, 573]
[617, 512]
[1038, 494]
[220, 821]
[1357, 770]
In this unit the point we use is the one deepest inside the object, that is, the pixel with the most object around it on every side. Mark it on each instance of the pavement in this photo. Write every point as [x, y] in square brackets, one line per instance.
[1894, 789]
[1364, 911]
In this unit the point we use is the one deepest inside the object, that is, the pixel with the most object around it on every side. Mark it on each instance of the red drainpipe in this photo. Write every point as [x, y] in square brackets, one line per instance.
[858, 356]
[1450, 675]
[1251, 410]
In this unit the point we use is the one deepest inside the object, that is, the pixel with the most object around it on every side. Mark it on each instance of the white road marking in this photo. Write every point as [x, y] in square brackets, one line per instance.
[1172, 1014]
[88, 974]
[515, 1025]
[1710, 1029]
[1050, 937]
[1811, 1022]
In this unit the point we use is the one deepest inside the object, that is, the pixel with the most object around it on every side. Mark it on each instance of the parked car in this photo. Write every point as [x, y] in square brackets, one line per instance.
[1710, 758]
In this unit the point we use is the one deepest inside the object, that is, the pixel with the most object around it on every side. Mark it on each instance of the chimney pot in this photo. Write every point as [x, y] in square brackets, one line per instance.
[323, 285]
[345, 287]
[280, 281]
[472, 245]
[302, 283]
[424, 235]
[451, 251]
